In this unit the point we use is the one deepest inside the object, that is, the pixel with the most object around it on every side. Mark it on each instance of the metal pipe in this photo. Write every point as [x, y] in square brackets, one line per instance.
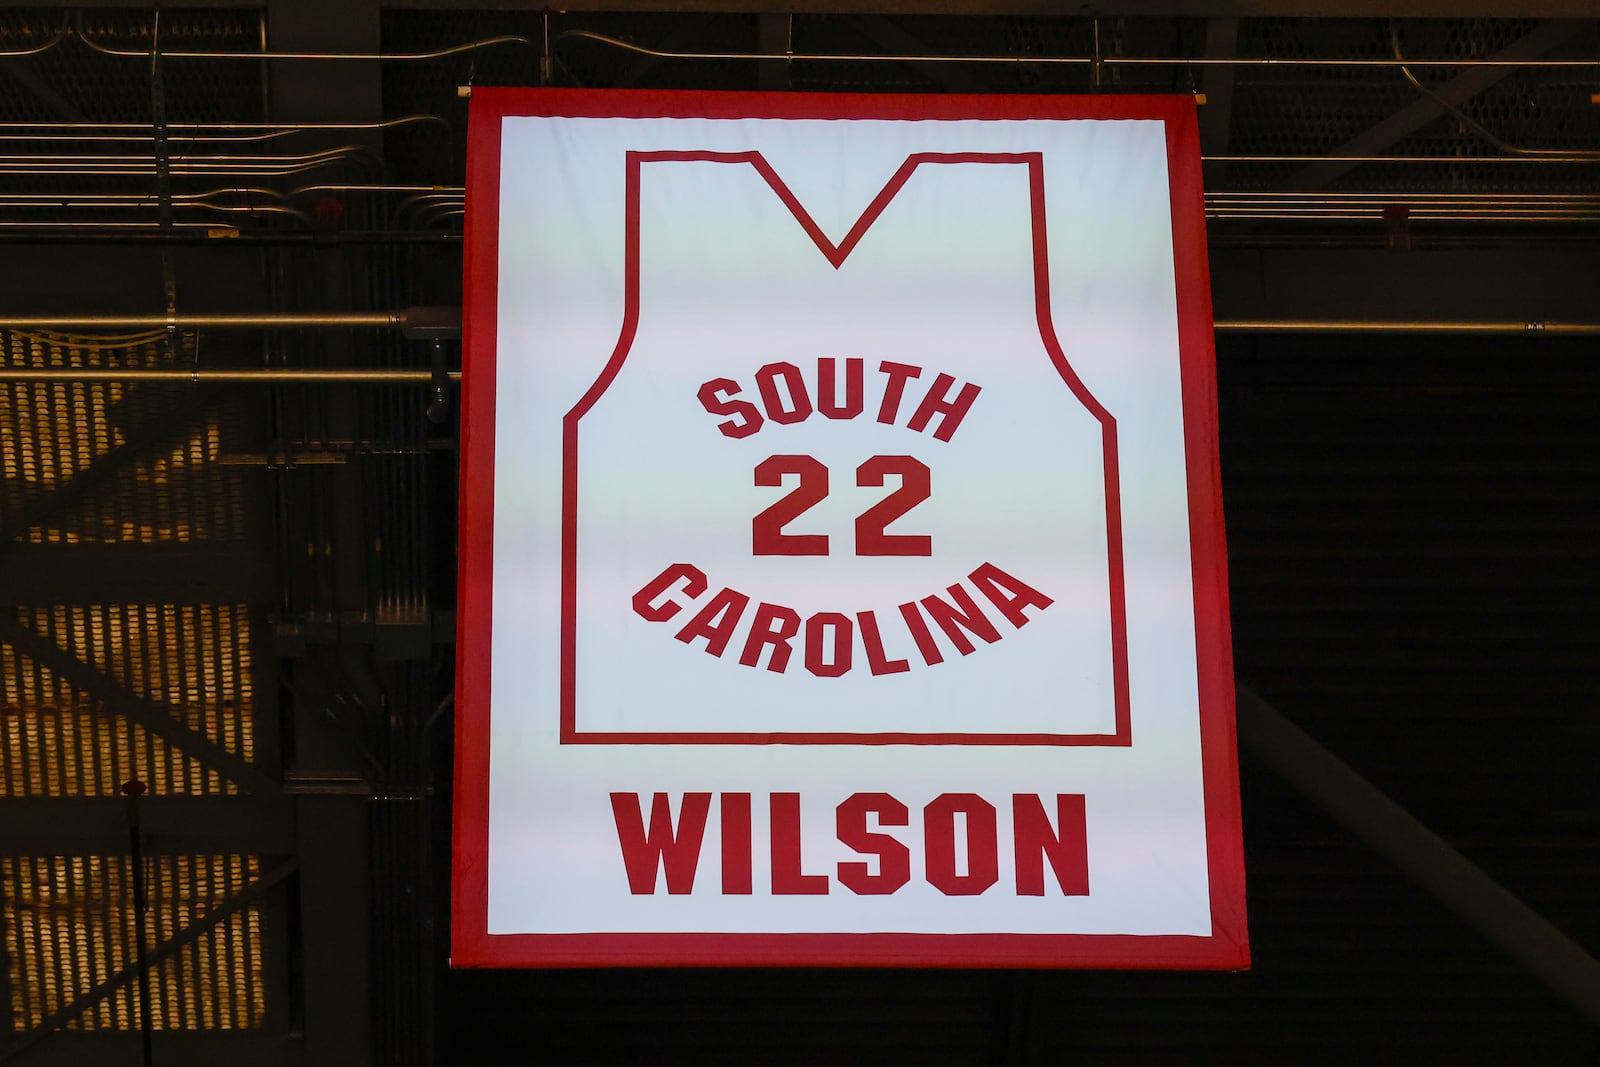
[110, 227]
[1416, 216]
[1404, 196]
[193, 132]
[261, 376]
[60, 35]
[213, 127]
[135, 199]
[1552, 329]
[1427, 859]
[413, 316]
[341, 152]
[1077, 61]
[79, 32]
[1453, 160]
[214, 322]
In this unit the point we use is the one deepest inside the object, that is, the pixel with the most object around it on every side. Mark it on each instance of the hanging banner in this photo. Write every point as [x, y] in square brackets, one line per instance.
[842, 571]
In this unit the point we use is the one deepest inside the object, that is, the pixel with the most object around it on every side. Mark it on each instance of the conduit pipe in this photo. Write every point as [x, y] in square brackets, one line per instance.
[1457, 160]
[434, 318]
[403, 57]
[193, 132]
[1077, 61]
[1502, 328]
[1085, 61]
[243, 376]
[270, 320]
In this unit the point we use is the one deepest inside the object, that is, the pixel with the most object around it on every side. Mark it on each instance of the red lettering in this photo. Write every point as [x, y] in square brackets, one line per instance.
[766, 529]
[736, 866]
[916, 485]
[983, 849]
[953, 622]
[694, 583]
[919, 634]
[787, 876]
[994, 583]
[894, 859]
[773, 625]
[767, 382]
[716, 397]
[867, 622]
[854, 393]
[1066, 849]
[676, 853]
[716, 621]
[818, 662]
[894, 388]
[937, 402]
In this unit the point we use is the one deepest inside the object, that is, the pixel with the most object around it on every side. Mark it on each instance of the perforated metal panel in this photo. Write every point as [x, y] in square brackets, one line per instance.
[191, 662]
[51, 433]
[71, 925]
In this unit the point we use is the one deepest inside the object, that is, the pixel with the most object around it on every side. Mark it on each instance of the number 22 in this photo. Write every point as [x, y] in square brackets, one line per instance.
[766, 529]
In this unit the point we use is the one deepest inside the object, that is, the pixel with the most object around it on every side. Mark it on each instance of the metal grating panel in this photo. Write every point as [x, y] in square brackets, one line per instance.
[71, 924]
[51, 433]
[191, 662]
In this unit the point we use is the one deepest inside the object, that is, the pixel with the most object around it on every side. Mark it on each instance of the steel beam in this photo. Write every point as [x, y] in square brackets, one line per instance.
[339, 997]
[1540, 284]
[179, 572]
[82, 825]
[1420, 854]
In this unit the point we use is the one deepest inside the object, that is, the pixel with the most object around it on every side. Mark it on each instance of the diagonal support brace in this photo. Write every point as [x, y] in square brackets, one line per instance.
[139, 441]
[247, 896]
[1417, 114]
[116, 700]
[1423, 856]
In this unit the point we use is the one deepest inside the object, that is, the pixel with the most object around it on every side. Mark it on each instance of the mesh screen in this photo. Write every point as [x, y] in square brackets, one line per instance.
[192, 662]
[54, 432]
[71, 925]
[1312, 110]
[133, 464]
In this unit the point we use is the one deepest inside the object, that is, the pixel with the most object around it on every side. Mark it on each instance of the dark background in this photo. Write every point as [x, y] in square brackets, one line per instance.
[242, 595]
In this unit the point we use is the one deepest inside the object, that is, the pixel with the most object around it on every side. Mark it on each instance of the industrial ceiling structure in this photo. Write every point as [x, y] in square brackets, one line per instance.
[230, 275]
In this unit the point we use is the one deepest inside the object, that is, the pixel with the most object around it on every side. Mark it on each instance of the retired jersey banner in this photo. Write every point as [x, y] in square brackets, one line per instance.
[842, 572]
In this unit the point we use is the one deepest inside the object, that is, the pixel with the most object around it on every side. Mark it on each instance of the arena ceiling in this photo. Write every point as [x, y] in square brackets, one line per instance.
[240, 593]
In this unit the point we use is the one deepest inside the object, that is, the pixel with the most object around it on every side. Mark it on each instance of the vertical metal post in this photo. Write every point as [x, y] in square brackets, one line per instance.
[345, 1013]
[133, 789]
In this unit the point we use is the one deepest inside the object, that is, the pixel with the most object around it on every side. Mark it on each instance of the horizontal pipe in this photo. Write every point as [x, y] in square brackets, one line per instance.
[439, 53]
[1453, 160]
[191, 132]
[213, 234]
[1504, 328]
[198, 376]
[408, 317]
[1076, 61]
[214, 127]
[211, 322]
